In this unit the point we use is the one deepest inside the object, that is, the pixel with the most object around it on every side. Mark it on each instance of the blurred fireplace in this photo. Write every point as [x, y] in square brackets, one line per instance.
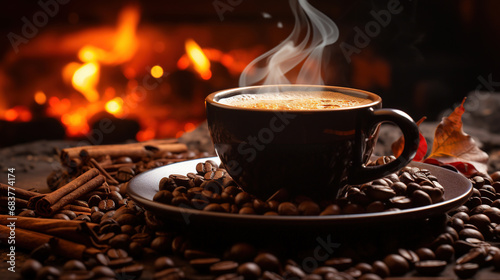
[144, 68]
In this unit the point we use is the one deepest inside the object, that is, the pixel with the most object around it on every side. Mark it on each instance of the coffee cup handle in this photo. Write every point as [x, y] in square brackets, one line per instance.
[360, 173]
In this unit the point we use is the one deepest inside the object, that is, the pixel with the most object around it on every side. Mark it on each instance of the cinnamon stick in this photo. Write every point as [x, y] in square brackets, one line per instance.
[133, 150]
[47, 204]
[30, 240]
[77, 208]
[19, 202]
[76, 231]
[110, 180]
[18, 192]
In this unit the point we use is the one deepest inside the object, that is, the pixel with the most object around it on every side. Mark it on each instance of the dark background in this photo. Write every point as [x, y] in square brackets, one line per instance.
[427, 59]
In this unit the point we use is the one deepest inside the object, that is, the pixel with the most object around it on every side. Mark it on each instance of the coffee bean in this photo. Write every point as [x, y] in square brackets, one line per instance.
[197, 254]
[121, 262]
[103, 271]
[493, 213]
[106, 205]
[475, 255]
[457, 224]
[134, 270]
[259, 206]
[125, 174]
[48, 272]
[425, 254]
[469, 232]
[269, 275]
[30, 268]
[73, 265]
[397, 264]
[291, 271]
[120, 241]
[167, 184]
[399, 188]
[364, 267]
[370, 276]
[401, 202]
[309, 208]
[142, 238]
[163, 196]
[287, 209]
[246, 211]
[444, 252]
[84, 218]
[267, 261]
[181, 201]
[430, 267]
[353, 208]
[410, 256]
[94, 200]
[332, 209]
[379, 192]
[466, 270]
[223, 267]
[161, 244]
[214, 207]
[473, 202]
[27, 213]
[420, 198]
[462, 216]
[170, 274]
[242, 252]
[376, 206]
[339, 263]
[249, 270]
[381, 269]
[109, 225]
[68, 213]
[116, 253]
[61, 216]
[204, 264]
[242, 198]
[481, 221]
[163, 263]
[324, 270]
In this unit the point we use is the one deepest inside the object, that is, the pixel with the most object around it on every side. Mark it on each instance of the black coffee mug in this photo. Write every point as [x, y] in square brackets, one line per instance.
[311, 152]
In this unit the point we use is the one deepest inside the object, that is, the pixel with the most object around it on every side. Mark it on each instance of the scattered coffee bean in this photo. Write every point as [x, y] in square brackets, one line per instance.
[397, 264]
[48, 272]
[430, 267]
[30, 268]
[223, 267]
[466, 270]
[249, 270]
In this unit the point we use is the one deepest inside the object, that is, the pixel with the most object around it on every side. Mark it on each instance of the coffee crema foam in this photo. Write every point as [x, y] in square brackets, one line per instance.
[295, 100]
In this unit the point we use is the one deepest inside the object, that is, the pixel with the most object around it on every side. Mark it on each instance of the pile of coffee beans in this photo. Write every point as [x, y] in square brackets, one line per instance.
[211, 188]
[140, 246]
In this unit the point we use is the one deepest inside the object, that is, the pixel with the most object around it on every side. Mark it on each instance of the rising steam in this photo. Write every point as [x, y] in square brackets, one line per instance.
[281, 63]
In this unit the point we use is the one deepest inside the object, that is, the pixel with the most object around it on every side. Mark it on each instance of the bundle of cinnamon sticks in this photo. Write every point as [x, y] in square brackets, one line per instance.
[48, 204]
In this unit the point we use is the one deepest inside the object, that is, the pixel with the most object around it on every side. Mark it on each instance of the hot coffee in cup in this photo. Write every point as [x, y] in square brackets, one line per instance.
[308, 139]
[296, 100]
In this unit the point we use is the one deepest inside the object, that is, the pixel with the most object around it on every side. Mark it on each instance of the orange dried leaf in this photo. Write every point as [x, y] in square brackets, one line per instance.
[397, 147]
[452, 144]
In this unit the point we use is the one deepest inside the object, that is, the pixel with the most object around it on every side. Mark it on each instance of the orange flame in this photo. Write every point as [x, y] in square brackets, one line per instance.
[40, 97]
[114, 106]
[200, 61]
[85, 80]
[86, 77]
